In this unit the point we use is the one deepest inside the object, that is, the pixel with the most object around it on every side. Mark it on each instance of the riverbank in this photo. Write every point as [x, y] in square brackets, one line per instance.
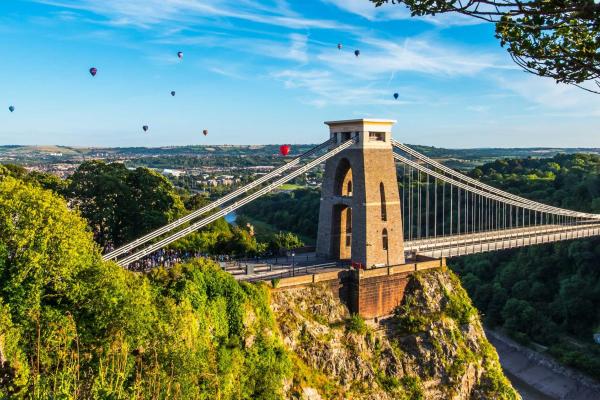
[539, 377]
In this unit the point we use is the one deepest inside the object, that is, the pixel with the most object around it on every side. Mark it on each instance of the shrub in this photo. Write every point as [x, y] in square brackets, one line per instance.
[356, 324]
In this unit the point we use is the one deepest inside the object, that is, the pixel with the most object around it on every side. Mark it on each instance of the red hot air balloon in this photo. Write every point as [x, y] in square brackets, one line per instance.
[93, 71]
[180, 54]
[205, 132]
[284, 149]
[145, 128]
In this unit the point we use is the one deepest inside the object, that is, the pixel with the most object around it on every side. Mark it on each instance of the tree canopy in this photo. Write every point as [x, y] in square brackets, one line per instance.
[550, 293]
[73, 326]
[554, 38]
[122, 204]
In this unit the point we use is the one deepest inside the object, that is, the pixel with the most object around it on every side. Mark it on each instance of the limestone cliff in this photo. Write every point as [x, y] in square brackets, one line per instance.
[433, 347]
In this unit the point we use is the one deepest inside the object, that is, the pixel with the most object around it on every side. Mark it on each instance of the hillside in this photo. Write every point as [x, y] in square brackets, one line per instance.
[75, 327]
[547, 294]
[432, 348]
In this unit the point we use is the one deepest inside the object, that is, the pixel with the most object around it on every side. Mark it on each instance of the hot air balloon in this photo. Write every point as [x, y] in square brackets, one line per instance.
[396, 96]
[205, 132]
[357, 53]
[145, 128]
[93, 71]
[172, 93]
[11, 108]
[284, 149]
[339, 46]
[180, 54]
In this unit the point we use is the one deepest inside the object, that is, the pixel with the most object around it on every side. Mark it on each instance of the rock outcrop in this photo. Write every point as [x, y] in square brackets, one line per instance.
[433, 347]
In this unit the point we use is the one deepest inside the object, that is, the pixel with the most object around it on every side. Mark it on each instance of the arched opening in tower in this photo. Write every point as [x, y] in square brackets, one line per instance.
[343, 178]
[342, 232]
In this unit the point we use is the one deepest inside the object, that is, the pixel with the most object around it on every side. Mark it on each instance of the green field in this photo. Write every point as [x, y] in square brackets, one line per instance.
[290, 186]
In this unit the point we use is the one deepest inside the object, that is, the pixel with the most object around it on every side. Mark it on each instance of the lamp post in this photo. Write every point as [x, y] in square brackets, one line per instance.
[293, 269]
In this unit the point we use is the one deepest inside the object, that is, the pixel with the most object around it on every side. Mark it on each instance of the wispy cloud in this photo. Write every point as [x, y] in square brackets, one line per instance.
[382, 57]
[326, 88]
[148, 13]
[227, 72]
[552, 97]
[292, 47]
[298, 47]
[341, 78]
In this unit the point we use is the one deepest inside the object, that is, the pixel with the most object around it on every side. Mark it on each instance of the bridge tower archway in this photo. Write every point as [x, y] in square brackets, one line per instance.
[359, 197]
[343, 178]
[342, 232]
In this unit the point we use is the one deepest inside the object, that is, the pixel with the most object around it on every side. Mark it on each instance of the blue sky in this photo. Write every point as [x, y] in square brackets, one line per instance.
[268, 71]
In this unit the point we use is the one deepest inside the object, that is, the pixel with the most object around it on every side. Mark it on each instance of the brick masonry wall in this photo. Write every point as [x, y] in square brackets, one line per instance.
[379, 295]
[372, 293]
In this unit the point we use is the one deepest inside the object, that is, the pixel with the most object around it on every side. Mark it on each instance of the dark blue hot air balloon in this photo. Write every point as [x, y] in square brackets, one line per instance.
[396, 96]
[357, 53]
[180, 54]
[11, 108]
[172, 93]
[93, 71]
[145, 128]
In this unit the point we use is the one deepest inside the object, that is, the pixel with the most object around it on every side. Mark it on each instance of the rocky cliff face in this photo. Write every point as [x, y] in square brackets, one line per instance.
[433, 347]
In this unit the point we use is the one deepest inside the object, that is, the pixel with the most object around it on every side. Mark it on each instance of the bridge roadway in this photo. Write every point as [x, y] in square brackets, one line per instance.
[442, 246]
[458, 245]
[282, 267]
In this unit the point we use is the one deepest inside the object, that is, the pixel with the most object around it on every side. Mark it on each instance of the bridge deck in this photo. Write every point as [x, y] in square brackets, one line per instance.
[457, 245]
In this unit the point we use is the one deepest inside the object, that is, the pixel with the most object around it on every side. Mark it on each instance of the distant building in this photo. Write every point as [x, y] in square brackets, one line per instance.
[173, 172]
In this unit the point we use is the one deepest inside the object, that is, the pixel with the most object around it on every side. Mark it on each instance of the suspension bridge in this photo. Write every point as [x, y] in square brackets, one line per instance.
[383, 203]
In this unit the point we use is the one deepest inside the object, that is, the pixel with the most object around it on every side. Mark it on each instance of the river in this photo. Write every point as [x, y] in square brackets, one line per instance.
[538, 377]
[526, 391]
[231, 217]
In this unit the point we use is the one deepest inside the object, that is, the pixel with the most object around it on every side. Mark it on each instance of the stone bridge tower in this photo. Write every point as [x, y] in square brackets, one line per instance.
[359, 217]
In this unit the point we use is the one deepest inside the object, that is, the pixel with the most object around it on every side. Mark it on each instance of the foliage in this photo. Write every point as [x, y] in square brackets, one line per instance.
[494, 380]
[296, 211]
[459, 306]
[437, 310]
[73, 326]
[44, 180]
[122, 204]
[284, 241]
[585, 358]
[356, 324]
[559, 39]
[413, 387]
[548, 293]
[408, 321]
[221, 238]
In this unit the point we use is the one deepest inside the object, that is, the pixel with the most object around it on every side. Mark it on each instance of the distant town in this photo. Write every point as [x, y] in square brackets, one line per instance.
[204, 167]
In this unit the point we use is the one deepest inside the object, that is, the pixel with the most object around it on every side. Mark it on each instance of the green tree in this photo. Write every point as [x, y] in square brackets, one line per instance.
[284, 241]
[73, 326]
[121, 204]
[554, 38]
[46, 247]
[44, 180]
